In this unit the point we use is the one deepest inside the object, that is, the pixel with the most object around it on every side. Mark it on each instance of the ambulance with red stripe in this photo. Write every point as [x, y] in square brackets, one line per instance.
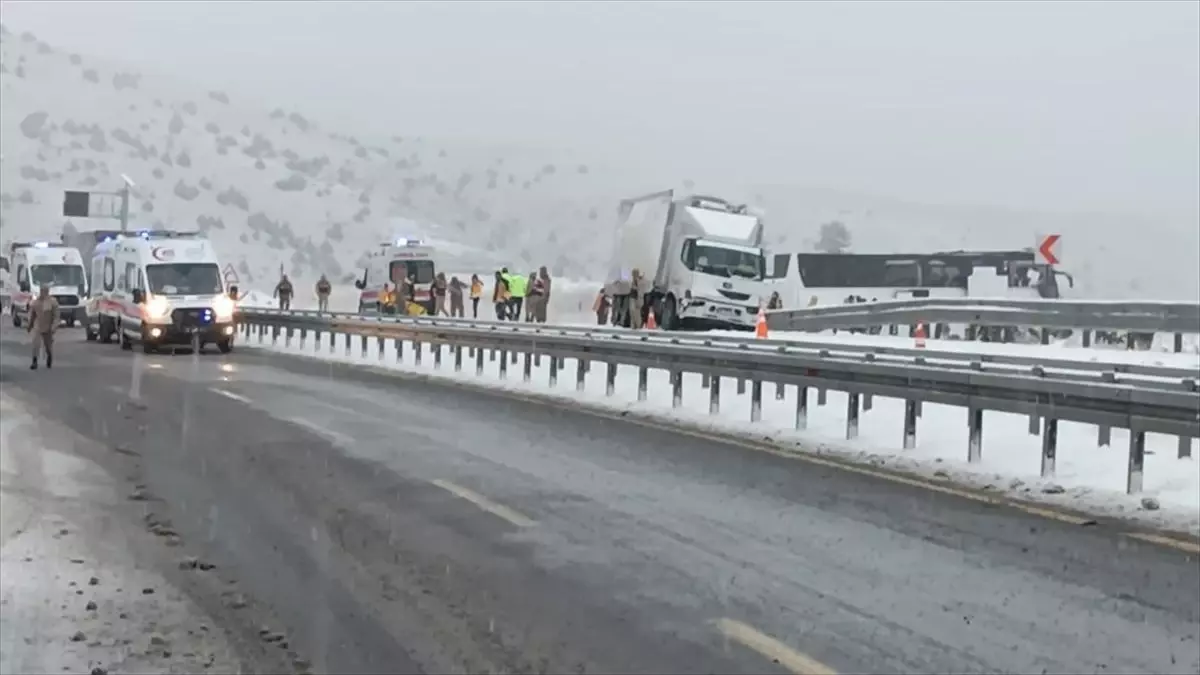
[42, 263]
[159, 288]
[391, 263]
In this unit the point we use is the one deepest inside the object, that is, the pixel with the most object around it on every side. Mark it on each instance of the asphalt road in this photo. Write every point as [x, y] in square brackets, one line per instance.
[397, 525]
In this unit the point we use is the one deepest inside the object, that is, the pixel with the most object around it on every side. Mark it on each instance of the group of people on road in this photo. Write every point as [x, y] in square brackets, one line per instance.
[516, 296]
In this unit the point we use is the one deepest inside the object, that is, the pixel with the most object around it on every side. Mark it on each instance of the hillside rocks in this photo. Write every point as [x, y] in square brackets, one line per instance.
[32, 125]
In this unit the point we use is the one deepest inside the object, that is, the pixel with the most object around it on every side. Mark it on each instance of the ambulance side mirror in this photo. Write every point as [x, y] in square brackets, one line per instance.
[138, 296]
[358, 283]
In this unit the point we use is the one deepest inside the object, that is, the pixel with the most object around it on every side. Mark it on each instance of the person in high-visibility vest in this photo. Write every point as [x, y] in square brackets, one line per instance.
[517, 285]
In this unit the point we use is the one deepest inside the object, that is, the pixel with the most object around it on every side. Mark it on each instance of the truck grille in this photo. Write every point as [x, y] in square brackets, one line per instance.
[734, 295]
[192, 317]
[67, 300]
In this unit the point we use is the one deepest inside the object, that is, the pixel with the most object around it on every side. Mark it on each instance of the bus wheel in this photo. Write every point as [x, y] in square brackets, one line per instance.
[16, 318]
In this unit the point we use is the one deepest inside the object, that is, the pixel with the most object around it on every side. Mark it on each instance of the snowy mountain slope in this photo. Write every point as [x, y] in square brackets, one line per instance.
[274, 188]
[271, 188]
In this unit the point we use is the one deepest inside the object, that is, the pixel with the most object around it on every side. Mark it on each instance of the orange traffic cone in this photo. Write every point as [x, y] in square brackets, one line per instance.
[919, 335]
[760, 325]
[651, 322]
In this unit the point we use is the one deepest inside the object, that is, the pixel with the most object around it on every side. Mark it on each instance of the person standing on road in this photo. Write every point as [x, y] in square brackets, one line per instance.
[283, 291]
[456, 297]
[600, 307]
[476, 294]
[517, 285]
[324, 288]
[500, 296]
[543, 306]
[43, 322]
[533, 294]
[439, 295]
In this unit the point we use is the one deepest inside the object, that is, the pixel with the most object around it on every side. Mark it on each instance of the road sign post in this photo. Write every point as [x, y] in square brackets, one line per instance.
[77, 204]
[1048, 250]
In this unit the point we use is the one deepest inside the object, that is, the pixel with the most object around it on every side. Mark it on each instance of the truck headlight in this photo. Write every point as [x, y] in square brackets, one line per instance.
[157, 307]
[223, 307]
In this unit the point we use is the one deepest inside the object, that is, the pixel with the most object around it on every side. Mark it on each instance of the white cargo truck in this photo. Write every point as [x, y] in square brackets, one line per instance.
[700, 260]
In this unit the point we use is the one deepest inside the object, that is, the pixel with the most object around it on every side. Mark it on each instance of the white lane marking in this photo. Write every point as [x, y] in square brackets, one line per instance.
[771, 649]
[330, 434]
[498, 510]
[230, 394]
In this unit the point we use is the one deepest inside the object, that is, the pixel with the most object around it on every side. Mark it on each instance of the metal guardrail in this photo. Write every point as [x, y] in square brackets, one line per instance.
[1139, 398]
[1141, 317]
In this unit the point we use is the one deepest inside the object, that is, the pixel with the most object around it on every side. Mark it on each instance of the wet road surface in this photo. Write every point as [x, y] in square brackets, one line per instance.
[398, 525]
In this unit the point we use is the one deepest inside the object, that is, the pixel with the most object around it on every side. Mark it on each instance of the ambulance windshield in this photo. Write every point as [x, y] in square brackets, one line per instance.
[57, 275]
[184, 279]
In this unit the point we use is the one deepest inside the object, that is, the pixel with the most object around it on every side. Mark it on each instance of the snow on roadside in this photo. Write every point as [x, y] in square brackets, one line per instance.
[74, 598]
[1088, 477]
[1056, 351]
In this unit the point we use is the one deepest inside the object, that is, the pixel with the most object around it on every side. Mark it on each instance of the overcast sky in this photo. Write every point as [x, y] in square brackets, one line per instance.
[1062, 106]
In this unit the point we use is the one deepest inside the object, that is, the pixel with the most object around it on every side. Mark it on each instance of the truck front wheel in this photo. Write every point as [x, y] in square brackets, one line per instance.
[669, 317]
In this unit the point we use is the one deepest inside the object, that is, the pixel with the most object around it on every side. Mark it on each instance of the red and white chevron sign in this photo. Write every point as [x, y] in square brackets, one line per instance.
[1049, 249]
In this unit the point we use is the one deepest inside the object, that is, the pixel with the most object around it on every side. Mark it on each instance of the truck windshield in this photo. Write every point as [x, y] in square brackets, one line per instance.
[57, 275]
[184, 279]
[727, 262]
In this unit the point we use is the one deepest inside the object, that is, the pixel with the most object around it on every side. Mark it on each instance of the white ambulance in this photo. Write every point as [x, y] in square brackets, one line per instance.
[159, 288]
[37, 264]
[391, 263]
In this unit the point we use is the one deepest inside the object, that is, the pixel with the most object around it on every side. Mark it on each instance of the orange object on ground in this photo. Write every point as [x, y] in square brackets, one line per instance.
[760, 325]
[919, 335]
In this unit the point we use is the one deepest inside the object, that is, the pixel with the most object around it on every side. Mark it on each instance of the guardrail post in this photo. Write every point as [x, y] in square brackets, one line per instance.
[514, 358]
[1178, 345]
[553, 371]
[580, 373]
[458, 358]
[362, 346]
[1185, 447]
[274, 335]
[676, 389]
[399, 350]
[317, 340]
[436, 347]
[347, 344]
[851, 415]
[970, 332]
[821, 396]
[975, 434]
[417, 352]
[504, 365]
[287, 338]
[755, 400]
[780, 391]
[479, 362]
[491, 356]
[801, 406]
[303, 334]
[382, 345]
[868, 402]
[1044, 334]
[1049, 447]
[528, 374]
[705, 380]
[1137, 461]
[1103, 436]
[610, 380]
[910, 425]
[643, 381]
[1130, 343]
[1035, 425]
[537, 360]
[741, 386]
[714, 395]
[1087, 338]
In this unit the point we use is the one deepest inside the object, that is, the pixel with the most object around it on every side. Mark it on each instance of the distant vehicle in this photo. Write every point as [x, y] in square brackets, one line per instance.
[837, 278]
[159, 288]
[392, 263]
[701, 260]
[50, 264]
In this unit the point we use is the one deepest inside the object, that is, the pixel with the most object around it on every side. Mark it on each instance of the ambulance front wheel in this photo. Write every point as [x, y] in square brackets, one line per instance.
[225, 345]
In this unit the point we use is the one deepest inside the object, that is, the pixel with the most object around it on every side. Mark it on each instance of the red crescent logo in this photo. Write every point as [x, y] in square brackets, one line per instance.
[161, 253]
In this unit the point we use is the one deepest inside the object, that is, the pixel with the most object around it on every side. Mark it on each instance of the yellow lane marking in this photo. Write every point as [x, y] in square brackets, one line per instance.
[498, 510]
[678, 426]
[772, 649]
[1180, 544]
[230, 394]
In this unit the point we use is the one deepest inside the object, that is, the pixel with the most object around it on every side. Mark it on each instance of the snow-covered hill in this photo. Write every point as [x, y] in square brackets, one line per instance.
[272, 187]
